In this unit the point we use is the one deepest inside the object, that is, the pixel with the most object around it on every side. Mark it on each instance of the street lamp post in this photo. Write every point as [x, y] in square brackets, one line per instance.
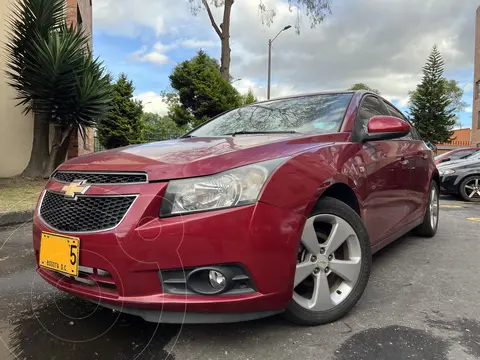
[270, 42]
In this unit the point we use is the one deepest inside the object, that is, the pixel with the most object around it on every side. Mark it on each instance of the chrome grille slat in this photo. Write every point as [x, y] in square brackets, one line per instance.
[85, 213]
[100, 178]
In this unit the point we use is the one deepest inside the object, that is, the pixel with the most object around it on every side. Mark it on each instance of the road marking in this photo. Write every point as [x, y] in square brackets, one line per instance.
[451, 206]
[474, 219]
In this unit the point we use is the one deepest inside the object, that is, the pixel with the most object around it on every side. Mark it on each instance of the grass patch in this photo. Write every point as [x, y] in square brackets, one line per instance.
[17, 193]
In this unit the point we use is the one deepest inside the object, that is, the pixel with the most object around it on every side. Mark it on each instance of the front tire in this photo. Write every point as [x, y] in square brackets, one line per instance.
[428, 228]
[470, 189]
[333, 265]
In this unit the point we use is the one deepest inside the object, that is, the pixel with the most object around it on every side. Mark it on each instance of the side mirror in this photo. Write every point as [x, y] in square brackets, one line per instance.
[382, 127]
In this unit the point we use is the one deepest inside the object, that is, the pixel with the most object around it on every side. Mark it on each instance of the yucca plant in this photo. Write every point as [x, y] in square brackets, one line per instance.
[29, 17]
[55, 77]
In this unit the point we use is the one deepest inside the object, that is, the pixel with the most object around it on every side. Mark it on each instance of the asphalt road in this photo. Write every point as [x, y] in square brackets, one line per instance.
[421, 303]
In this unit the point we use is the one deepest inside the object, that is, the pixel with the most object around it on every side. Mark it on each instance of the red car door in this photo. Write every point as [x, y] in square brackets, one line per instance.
[387, 177]
[417, 155]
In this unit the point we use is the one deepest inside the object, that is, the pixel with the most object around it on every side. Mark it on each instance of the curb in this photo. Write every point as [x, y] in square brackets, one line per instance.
[16, 217]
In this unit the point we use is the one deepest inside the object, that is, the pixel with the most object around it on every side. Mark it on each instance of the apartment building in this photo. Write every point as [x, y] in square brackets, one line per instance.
[16, 129]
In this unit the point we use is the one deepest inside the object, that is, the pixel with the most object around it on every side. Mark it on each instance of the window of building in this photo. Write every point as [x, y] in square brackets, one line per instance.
[478, 120]
[79, 19]
[477, 88]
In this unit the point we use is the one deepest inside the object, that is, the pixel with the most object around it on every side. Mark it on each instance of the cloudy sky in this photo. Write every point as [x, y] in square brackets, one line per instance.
[383, 43]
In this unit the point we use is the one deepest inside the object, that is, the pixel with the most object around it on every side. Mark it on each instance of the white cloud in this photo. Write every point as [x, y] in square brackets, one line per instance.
[156, 55]
[468, 109]
[198, 44]
[383, 43]
[153, 102]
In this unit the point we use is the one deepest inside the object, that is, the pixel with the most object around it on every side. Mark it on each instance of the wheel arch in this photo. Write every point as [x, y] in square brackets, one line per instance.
[343, 192]
[436, 178]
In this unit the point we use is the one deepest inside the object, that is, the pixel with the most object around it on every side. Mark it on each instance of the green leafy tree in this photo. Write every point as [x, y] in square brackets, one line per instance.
[157, 127]
[123, 124]
[249, 98]
[316, 11]
[202, 91]
[431, 103]
[55, 77]
[363, 86]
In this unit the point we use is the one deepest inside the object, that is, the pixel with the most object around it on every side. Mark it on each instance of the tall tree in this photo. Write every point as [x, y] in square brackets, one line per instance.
[202, 91]
[29, 21]
[316, 10]
[123, 124]
[157, 127]
[249, 98]
[363, 86]
[430, 104]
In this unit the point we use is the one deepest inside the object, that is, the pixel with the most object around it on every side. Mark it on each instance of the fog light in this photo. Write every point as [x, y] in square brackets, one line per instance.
[217, 279]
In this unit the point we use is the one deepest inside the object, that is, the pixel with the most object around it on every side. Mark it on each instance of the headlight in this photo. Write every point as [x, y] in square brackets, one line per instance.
[235, 187]
[446, 172]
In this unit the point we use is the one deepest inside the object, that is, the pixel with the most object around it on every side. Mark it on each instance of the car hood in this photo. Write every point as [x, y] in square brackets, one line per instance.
[189, 157]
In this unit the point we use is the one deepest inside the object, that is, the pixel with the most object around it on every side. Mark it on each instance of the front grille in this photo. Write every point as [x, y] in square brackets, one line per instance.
[86, 213]
[101, 178]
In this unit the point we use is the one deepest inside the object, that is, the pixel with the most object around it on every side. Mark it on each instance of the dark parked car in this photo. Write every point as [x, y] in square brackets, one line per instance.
[275, 207]
[462, 177]
[456, 154]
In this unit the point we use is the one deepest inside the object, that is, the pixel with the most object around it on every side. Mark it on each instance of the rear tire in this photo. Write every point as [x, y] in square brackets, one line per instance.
[469, 185]
[430, 221]
[341, 266]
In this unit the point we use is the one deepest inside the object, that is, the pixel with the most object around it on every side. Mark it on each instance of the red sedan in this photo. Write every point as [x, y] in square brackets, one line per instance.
[275, 207]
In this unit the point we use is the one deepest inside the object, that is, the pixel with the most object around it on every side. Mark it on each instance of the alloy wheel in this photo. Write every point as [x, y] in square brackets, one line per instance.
[329, 263]
[433, 207]
[472, 189]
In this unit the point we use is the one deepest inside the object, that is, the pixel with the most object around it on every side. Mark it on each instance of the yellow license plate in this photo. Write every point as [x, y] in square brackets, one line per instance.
[60, 253]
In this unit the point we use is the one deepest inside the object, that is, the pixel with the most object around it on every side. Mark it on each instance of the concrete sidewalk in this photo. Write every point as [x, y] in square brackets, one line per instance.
[16, 217]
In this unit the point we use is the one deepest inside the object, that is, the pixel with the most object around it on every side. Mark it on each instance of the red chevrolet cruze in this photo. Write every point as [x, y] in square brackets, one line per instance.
[274, 207]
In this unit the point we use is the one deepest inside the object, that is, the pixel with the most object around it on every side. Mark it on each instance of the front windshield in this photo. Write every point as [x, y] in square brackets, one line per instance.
[315, 113]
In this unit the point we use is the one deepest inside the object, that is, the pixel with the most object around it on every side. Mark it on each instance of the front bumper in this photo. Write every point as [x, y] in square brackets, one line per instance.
[262, 238]
[449, 184]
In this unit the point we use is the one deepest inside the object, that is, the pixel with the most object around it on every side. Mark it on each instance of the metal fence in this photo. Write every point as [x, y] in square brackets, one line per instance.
[98, 147]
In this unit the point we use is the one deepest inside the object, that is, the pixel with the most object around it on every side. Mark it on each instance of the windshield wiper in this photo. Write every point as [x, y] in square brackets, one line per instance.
[262, 132]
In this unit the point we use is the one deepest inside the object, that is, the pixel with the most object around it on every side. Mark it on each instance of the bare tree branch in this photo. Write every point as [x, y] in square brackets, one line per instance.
[212, 19]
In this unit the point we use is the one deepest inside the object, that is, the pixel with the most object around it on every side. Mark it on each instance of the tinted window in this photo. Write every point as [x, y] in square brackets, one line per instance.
[370, 107]
[318, 113]
[393, 111]
[460, 154]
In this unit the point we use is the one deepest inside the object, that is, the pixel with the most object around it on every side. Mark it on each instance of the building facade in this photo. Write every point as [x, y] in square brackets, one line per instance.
[16, 129]
[476, 85]
[461, 138]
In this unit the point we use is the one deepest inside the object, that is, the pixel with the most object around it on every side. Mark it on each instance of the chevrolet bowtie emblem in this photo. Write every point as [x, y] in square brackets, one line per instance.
[76, 187]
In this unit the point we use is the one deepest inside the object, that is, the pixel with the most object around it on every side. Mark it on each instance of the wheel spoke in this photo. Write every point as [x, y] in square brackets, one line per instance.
[309, 237]
[303, 271]
[476, 183]
[341, 231]
[349, 270]
[469, 187]
[321, 299]
[471, 194]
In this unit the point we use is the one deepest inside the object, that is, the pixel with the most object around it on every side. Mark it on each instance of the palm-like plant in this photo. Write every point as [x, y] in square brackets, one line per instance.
[55, 77]
[31, 17]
